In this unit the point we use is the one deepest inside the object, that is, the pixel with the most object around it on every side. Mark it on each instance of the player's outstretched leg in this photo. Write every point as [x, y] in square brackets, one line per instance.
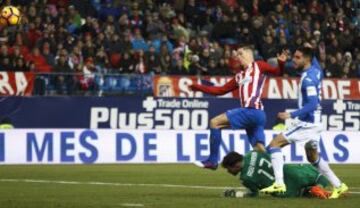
[277, 160]
[324, 168]
[212, 161]
[216, 124]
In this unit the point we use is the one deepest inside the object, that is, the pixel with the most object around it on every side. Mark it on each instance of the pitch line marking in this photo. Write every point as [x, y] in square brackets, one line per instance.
[131, 184]
[116, 184]
[131, 205]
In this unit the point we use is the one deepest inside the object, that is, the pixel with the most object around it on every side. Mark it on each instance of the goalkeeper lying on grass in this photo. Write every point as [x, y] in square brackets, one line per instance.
[256, 173]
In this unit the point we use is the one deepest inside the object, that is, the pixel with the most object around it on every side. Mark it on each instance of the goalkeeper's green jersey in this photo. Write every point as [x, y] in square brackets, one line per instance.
[257, 173]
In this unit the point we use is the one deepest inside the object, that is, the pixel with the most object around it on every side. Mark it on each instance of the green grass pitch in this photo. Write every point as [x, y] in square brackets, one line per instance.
[150, 185]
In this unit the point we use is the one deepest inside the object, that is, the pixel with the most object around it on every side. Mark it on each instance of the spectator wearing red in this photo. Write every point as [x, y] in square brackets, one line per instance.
[39, 60]
[33, 35]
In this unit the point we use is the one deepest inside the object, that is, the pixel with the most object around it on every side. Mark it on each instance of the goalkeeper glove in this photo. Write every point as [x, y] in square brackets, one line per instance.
[231, 193]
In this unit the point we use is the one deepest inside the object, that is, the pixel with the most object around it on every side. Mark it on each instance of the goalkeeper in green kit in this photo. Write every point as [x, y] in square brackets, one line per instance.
[256, 172]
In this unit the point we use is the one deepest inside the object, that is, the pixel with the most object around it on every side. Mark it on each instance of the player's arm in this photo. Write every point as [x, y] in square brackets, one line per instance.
[252, 190]
[252, 187]
[315, 63]
[311, 105]
[312, 99]
[277, 71]
[228, 87]
[268, 69]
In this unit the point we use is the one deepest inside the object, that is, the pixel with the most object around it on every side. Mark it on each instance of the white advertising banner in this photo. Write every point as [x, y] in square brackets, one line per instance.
[83, 146]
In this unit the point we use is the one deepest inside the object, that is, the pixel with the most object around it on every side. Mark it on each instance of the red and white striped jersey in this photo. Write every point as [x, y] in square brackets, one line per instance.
[249, 81]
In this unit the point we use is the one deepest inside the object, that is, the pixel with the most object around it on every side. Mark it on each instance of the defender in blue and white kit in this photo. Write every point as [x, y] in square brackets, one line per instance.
[307, 127]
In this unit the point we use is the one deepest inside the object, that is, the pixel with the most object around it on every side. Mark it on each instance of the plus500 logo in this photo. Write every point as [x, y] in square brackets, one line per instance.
[350, 121]
[347, 116]
[158, 119]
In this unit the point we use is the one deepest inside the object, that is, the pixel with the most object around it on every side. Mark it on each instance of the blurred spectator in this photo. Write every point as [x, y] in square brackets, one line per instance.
[74, 19]
[140, 63]
[39, 60]
[268, 48]
[179, 31]
[178, 68]
[153, 61]
[333, 68]
[138, 42]
[125, 44]
[127, 64]
[165, 58]
[222, 68]
[76, 57]
[5, 59]
[5, 64]
[49, 57]
[356, 66]
[63, 82]
[154, 26]
[224, 30]
[19, 65]
[87, 80]
[89, 49]
[101, 61]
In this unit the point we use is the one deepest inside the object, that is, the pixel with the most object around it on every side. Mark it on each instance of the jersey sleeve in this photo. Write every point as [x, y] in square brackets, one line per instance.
[228, 87]
[310, 95]
[268, 69]
[315, 63]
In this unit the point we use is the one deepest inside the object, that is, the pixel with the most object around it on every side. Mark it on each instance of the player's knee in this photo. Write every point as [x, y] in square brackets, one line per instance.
[214, 123]
[311, 155]
[311, 158]
[273, 143]
[260, 147]
[276, 142]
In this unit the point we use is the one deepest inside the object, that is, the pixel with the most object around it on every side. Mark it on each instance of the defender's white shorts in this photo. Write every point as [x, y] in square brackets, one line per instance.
[304, 133]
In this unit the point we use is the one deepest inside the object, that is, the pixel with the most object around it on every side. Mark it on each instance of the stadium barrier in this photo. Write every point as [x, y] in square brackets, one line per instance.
[105, 83]
[96, 84]
[83, 146]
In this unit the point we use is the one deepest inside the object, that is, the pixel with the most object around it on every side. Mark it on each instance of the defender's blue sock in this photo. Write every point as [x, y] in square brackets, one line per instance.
[215, 140]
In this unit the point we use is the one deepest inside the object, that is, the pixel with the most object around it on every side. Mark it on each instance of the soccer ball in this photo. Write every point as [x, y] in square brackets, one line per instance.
[10, 15]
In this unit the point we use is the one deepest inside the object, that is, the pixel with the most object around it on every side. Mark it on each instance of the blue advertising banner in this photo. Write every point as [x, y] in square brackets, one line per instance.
[84, 146]
[136, 112]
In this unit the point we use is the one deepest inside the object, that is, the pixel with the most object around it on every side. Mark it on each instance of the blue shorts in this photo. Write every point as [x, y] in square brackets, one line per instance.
[252, 120]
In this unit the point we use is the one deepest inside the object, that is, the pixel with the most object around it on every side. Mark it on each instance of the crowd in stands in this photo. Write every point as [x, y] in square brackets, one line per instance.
[180, 37]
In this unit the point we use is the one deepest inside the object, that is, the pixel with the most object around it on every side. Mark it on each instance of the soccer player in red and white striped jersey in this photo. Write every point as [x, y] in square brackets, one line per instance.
[250, 116]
